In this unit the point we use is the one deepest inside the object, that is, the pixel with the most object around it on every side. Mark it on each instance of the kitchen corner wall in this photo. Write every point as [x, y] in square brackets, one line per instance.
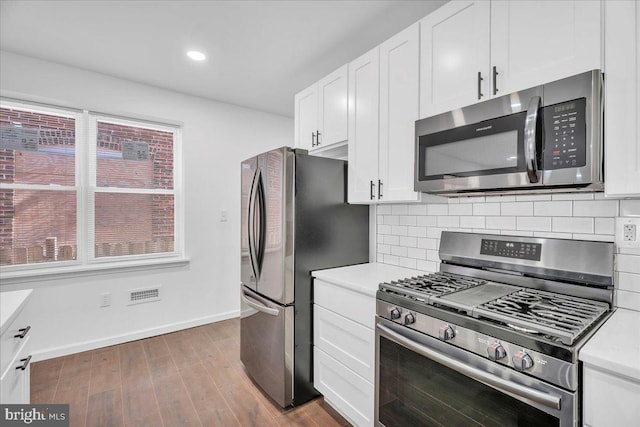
[409, 235]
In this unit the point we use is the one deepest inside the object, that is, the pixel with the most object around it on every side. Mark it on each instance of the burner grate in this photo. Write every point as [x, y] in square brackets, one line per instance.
[436, 284]
[559, 316]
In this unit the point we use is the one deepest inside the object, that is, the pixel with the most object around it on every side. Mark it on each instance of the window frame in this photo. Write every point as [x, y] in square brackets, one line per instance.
[86, 187]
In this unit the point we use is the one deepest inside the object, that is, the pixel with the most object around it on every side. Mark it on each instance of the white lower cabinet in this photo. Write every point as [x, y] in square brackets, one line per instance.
[15, 348]
[609, 399]
[16, 378]
[344, 350]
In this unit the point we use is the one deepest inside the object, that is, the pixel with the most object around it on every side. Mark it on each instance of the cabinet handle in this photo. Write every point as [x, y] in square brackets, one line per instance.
[313, 139]
[25, 364]
[495, 78]
[373, 188]
[23, 332]
[480, 94]
[379, 189]
[317, 137]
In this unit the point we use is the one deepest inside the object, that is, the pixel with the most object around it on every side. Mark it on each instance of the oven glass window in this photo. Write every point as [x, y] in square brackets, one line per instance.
[495, 151]
[417, 391]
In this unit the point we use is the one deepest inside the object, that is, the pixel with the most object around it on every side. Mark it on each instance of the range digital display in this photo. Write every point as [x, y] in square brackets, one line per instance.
[517, 250]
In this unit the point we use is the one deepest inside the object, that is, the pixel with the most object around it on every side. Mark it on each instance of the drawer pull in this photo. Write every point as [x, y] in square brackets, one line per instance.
[23, 332]
[25, 364]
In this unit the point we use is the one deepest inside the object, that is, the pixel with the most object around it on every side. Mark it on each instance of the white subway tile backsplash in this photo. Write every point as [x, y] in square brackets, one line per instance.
[501, 222]
[486, 209]
[427, 221]
[605, 226]
[438, 209]
[555, 208]
[572, 196]
[629, 263]
[595, 208]
[517, 208]
[449, 221]
[472, 221]
[533, 223]
[399, 209]
[408, 220]
[572, 225]
[461, 209]
[417, 253]
[409, 235]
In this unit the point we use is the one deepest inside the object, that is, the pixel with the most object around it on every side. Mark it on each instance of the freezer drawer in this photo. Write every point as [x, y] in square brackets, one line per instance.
[266, 345]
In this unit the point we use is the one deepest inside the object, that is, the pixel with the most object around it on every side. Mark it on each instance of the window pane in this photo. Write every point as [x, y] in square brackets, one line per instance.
[36, 148]
[133, 224]
[133, 157]
[37, 226]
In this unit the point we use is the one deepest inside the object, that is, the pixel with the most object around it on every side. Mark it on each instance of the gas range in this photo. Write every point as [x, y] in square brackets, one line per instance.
[521, 302]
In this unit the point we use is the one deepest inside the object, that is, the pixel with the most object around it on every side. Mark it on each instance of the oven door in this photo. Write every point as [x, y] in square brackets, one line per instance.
[423, 381]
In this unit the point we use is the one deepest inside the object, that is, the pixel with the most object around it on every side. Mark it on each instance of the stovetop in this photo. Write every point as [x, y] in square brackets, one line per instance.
[545, 315]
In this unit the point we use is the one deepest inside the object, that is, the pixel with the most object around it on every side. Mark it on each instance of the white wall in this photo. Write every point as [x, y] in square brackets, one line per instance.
[65, 312]
[409, 235]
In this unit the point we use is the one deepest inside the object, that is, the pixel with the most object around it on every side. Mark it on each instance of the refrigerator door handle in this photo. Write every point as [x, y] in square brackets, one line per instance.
[258, 305]
[261, 223]
[251, 225]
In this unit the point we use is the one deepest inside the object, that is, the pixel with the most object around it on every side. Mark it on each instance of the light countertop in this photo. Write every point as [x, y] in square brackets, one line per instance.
[11, 303]
[616, 345]
[365, 278]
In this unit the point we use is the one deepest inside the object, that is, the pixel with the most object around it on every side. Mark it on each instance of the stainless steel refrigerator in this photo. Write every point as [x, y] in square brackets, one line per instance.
[295, 219]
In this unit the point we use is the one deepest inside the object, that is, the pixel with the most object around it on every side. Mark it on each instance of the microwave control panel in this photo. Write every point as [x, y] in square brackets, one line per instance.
[565, 135]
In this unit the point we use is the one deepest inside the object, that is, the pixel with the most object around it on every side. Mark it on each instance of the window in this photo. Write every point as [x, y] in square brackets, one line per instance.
[78, 188]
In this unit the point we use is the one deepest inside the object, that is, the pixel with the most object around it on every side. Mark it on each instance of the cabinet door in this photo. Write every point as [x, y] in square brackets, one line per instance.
[534, 42]
[332, 107]
[622, 85]
[306, 117]
[454, 48]
[399, 99]
[364, 87]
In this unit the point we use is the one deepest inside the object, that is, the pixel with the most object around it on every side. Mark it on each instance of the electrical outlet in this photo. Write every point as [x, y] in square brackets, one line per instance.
[224, 215]
[627, 232]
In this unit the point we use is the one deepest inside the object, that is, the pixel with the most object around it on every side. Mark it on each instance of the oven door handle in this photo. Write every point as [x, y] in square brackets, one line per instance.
[498, 383]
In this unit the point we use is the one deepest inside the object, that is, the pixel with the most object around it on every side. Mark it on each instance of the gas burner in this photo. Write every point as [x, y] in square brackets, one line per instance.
[562, 317]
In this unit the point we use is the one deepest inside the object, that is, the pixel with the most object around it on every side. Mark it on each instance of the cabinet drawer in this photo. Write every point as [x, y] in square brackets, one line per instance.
[343, 389]
[10, 345]
[14, 383]
[352, 305]
[348, 342]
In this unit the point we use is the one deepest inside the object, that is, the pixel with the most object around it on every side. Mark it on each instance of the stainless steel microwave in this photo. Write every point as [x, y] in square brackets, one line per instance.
[546, 138]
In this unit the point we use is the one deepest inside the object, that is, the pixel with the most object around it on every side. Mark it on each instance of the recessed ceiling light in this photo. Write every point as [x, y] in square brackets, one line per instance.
[196, 56]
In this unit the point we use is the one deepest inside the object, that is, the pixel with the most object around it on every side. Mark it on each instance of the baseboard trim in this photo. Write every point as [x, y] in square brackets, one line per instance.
[131, 336]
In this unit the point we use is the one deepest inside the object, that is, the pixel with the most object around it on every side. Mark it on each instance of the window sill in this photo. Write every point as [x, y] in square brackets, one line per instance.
[41, 275]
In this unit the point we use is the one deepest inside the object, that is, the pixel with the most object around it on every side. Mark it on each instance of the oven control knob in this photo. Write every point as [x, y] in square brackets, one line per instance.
[409, 318]
[394, 313]
[446, 333]
[496, 351]
[522, 361]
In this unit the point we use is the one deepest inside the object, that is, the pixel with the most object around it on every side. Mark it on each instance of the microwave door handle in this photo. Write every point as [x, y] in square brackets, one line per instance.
[496, 382]
[530, 127]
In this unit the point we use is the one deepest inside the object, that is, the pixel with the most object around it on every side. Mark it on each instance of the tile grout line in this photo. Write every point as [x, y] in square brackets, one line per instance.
[121, 383]
[86, 407]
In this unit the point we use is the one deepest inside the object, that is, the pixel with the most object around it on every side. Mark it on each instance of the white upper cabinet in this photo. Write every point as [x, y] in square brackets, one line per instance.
[306, 117]
[364, 87]
[321, 112]
[454, 60]
[399, 103]
[476, 50]
[622, 88]
[535, 42]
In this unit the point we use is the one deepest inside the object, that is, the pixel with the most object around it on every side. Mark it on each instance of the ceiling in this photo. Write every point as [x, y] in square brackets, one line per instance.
[259, 53]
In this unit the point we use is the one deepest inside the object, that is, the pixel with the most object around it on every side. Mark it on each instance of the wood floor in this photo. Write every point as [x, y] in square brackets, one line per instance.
[188, 378]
